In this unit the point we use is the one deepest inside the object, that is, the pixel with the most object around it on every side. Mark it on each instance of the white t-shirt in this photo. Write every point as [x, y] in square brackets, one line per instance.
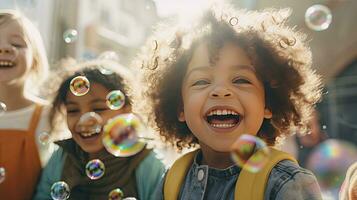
[20, 120]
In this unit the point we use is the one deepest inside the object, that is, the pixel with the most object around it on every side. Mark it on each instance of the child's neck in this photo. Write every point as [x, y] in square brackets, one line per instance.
[13, 97]
[215, 159]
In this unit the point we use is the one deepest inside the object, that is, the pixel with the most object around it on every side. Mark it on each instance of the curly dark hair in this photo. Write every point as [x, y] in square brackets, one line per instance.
[280, 55]
[95, 71]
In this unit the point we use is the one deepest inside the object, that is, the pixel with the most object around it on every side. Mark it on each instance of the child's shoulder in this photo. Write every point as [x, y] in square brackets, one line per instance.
[287, 178]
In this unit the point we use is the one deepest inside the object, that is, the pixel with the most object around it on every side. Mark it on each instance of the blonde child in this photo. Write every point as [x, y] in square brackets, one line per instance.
[137, 175]
[349, 186]
[23, 64]
[230, 73]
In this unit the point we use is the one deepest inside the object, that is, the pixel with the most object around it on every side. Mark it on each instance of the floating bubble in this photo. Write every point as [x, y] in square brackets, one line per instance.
[70, 35]
[116, 194]
[329, 162]
[318, 17]
[60, 191]
[3, 108]
[121, 135]
[324, 127]
[89, 123]
[95, 169]
[44, 138]
[250, 153]
[115, 100]
[233, 21]
[79, 85]
[2, 174]
[129, 198]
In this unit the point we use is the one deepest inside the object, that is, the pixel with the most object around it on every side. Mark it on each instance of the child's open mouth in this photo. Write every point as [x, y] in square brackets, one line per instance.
[86, 135]
[223, 118]
[6, 64]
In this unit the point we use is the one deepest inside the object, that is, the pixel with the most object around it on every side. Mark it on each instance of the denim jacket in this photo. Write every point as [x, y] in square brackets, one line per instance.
[286, 181]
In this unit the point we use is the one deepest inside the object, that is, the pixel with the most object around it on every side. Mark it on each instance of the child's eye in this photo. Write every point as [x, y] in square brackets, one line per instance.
[200, 82]
[241, 81]
[17, 45]
[100, 109]
[72, 111]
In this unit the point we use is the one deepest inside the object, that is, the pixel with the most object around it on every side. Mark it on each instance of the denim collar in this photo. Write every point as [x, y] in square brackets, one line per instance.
[219, 173]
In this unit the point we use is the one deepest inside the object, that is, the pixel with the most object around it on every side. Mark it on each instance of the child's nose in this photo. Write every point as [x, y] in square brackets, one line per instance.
[221, 92]
[5, 50]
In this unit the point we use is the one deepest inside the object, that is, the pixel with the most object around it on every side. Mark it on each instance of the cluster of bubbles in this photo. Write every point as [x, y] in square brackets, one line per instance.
[250, 152]
[79, 85]
[122, 135]
[329, 161]
[2, 174]
[3, 108]
[70, 36]
[318, 17]
[60, 191]
[95, 169]
[89, 122]
[115, 100]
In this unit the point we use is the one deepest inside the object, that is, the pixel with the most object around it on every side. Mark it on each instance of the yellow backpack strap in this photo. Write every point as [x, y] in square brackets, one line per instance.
[176, 175]
[252, 185]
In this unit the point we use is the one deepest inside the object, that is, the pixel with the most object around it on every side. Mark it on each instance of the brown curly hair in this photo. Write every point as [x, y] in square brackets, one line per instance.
[282, 60]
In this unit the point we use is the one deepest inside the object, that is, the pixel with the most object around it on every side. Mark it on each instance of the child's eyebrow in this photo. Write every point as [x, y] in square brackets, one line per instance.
[97, 100]
[234, 67]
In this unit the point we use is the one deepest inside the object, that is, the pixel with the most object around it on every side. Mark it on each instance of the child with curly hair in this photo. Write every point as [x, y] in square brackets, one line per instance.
[212, 80]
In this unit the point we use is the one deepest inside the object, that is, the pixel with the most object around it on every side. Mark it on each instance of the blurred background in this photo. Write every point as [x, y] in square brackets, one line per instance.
[83, 29]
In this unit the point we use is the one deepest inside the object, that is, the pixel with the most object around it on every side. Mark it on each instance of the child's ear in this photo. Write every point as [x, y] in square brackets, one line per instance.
[181, 116]
[267, 113]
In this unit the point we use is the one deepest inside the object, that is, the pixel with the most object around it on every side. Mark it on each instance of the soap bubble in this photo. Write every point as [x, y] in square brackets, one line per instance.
[250, 153]
[116, 194]
[318, 17]
[115, 100]
[60, 191]
[121, 135]
[95, 169]
[79, 85]
[70, 35]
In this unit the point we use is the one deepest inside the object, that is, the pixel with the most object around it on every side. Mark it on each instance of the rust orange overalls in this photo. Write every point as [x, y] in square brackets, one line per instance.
[20, 158]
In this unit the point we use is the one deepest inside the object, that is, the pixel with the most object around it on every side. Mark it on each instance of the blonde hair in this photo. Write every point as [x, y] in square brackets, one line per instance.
[40, 66]
[349, 187]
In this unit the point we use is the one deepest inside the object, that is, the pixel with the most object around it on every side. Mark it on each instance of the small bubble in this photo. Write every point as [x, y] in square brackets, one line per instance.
[250, 153]
[109, 55]
[70, 35]
[318, 17]
[79, 85]
[115, 100]
[2, 174]
[116, 194]
[324, 127]
[60, 191]
[129, 198]
[44, 138]
[233, 21]
[3, 108]
[95, 169]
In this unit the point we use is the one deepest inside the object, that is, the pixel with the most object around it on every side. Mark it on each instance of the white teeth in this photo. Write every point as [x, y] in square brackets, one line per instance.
[222, 112]
[87, 134]
[223, 125]
[5, 63]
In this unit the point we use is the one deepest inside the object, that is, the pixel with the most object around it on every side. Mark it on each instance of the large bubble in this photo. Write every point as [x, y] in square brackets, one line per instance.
[329, 161]
[121, 135]
[60, 191]
[115, 100]
[318, 17]
[79, 85]
[116, 194]
[250, 153]
[95, 169]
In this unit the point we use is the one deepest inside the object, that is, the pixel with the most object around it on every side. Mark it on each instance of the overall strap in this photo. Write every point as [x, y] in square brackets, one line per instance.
[176, 175]
[36, 116]
[252, 185]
